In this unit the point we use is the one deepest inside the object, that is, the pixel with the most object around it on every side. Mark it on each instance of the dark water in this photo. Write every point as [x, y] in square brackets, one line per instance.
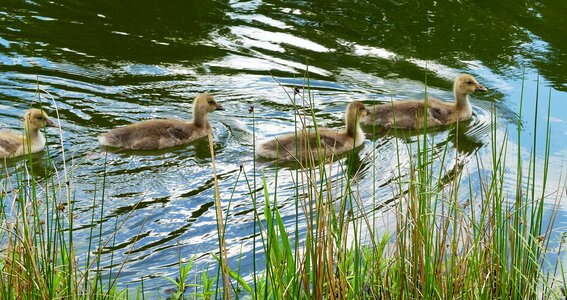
[109, 63]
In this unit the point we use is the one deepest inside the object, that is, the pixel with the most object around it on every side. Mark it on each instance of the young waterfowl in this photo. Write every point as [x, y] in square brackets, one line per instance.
[160, 134]
[14, 144]
[333, 142]
[410, 113]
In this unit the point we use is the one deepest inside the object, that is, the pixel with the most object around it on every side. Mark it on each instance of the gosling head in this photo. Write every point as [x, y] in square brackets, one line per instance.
[36, 118]
[206, 103]
[356, 111]
[466, 84]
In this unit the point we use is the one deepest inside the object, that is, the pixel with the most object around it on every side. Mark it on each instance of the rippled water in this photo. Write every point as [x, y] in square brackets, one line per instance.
[109, 63]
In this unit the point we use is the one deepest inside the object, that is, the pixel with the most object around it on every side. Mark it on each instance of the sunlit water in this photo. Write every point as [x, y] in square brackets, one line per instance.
[108, 64]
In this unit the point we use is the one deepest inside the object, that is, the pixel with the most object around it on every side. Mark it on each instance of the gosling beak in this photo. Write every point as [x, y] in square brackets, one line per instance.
[219, 107]
[50, 123]
[480, 88]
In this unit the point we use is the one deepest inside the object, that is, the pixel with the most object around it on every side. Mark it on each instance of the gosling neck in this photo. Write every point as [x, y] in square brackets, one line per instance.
[352, 121]
[30, 132]
[461, 100]
[200, 118]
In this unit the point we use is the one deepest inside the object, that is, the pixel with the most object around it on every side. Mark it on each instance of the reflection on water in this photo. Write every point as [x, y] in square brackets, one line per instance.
[108, 63]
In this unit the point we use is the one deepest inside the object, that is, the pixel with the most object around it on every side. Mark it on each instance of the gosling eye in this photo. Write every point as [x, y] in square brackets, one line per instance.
[39, 118]
[469, 82]
[211, 102]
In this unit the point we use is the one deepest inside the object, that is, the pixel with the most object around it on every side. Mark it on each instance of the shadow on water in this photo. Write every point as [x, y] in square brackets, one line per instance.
[463, 137]
[39, 167]
[198, 149]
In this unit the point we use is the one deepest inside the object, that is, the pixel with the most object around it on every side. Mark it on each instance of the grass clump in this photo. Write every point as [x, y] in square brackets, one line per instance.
[454, 234]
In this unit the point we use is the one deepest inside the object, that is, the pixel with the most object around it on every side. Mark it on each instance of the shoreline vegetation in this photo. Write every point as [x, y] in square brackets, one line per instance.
[450, 237]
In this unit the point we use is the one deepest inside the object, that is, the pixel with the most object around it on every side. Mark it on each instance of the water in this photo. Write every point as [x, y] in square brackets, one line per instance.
[108, 64]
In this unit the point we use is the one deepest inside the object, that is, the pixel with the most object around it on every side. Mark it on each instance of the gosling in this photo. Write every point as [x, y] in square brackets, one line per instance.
[410, 113]
[13, 144]
[166, 133]
[333, 142]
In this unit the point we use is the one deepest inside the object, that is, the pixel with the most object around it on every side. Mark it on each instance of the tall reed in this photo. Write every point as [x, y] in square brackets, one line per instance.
[451, 240]
[38, 259]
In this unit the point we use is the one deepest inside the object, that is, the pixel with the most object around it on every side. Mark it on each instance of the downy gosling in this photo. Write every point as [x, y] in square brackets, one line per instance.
[165, 133]
[410, 113]
[333, 142]
[13, 144]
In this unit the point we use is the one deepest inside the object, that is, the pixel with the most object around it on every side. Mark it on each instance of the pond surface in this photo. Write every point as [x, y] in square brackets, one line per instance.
[109, 63]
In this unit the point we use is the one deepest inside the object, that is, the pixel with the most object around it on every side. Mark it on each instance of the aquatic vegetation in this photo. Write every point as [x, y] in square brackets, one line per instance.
[448, 237]
[449, 240]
